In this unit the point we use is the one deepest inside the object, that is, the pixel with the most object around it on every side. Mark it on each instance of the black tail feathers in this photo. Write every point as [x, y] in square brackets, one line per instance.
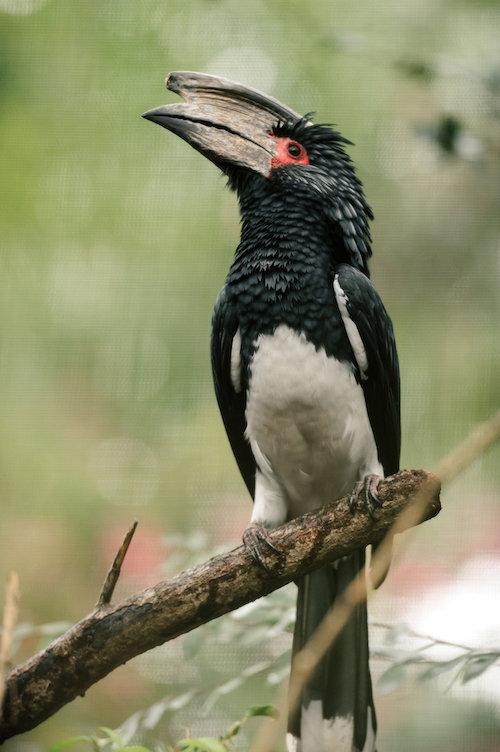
[336, 712]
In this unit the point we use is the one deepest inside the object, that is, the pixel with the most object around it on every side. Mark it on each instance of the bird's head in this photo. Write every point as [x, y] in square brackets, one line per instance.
[266, 149]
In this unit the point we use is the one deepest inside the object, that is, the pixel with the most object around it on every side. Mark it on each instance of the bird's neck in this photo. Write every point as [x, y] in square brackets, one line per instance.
[279, 231]
[282, 273]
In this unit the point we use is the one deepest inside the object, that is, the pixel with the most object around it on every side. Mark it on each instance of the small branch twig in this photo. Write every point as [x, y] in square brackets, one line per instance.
[471, 448]
[115, 569]
[108, 637]
[10, 614]
[430, 639]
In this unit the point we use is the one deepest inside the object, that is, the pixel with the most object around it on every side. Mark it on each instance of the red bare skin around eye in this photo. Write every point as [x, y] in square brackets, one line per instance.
[284, 146]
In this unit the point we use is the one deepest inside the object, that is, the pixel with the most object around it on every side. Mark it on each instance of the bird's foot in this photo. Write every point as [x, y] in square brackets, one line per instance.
[256, 541]
[366, 491]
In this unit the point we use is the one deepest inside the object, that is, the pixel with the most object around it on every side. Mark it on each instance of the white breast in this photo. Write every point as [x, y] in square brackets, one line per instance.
[307, 425]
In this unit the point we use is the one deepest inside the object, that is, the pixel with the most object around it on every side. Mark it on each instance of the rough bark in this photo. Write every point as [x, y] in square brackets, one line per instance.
[114, 633]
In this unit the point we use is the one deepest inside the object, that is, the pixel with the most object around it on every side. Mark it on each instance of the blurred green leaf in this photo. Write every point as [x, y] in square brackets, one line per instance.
[477, 665]
[205, 744]
[233, 730]
[112, 734]
[271, 711]
[440, 667]
[392, 678]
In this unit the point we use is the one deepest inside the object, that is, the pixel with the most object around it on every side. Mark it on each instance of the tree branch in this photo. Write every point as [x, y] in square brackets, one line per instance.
[113, 634]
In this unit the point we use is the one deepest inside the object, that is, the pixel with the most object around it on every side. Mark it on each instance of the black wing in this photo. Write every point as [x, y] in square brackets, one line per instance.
[380, 378]
[232, 402]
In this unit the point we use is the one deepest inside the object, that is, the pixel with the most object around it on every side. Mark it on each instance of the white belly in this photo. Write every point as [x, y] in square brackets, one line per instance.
[307, 425]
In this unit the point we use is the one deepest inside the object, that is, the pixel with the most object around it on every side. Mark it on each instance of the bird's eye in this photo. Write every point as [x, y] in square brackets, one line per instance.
[288, 152]
[295, 150]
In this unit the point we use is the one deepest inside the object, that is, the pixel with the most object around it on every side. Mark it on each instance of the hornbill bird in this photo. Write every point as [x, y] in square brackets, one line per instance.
[304, 360]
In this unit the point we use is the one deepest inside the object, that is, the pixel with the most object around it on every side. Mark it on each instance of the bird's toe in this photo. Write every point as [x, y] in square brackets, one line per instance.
[366, 491]
[256, 541]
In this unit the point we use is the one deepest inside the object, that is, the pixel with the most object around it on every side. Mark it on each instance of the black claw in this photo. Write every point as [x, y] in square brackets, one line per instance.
[366, 491]
[354, 496]
[255, 539]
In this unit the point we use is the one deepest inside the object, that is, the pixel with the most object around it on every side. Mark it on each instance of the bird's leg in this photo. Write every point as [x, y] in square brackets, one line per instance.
[365, 490]
[269, 511]
[256, 540]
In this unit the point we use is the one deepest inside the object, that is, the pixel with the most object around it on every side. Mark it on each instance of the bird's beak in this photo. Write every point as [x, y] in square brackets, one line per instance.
[227, 122]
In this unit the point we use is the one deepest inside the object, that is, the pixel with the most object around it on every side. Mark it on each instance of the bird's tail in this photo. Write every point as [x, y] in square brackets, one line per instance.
[336, 712]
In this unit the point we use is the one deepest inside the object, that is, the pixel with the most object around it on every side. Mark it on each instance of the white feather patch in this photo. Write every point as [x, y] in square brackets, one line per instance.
[320, 734]
[370, 741]
[269, 507]
[236, 362]
[307, 424]
[352, 332]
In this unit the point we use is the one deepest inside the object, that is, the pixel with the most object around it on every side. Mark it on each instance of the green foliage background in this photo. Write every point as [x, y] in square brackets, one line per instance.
[115, 239]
